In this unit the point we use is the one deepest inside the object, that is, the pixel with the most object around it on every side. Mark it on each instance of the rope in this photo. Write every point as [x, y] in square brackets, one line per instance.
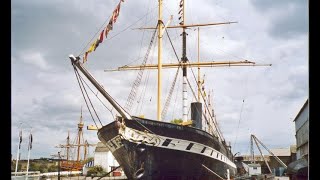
[94, 36]
[168, 100]
[77, 74]
[172, 45]
[90, 102]
[121, 30]
[235, 142]
[136, 84]
[194, 95]
[97, 97]
[205, 103]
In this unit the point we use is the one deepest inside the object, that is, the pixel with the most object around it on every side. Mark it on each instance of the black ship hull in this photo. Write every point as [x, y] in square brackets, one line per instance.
[156, 150]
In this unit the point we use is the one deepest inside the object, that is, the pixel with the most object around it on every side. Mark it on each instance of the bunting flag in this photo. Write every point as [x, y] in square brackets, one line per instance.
[110, 25]
[181, 13]
[30, 141]
[20, 139]
[85, 57]
[91, 48]
[101, 36]
[105, 31]
[116, 13]
[96, 44]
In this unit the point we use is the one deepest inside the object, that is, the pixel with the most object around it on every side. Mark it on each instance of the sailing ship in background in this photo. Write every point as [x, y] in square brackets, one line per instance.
[75, 149]
[154, 149]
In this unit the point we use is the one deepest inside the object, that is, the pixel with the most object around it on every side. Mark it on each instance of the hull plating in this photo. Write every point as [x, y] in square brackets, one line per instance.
[148, 149]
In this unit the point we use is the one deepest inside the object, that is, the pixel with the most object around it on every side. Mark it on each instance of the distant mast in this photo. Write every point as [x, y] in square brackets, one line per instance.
[80, 133]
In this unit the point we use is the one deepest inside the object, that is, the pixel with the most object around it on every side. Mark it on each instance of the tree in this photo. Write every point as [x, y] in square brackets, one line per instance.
[53, 168]
[13, 166]
[95, 170]
[43, 168]
[34, 166]
[176, 121]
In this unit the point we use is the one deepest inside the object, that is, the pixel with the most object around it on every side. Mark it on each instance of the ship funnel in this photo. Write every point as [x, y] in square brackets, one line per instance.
[196, 114]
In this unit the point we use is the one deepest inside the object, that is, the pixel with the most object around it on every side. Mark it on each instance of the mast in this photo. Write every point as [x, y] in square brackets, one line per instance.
[68, 145]
[18, 151]
[199, 83]
[184, 60]
[29, 149]
[184, 63]
[86, 145]
[160, 27]
[80, 126]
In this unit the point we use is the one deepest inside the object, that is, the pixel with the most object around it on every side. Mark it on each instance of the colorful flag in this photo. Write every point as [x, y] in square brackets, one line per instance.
[20, 139]
[110, 25]
[101, 36]
[96, 44]
[91, 48]
[85, 57]
[116, 13]
[105, 32]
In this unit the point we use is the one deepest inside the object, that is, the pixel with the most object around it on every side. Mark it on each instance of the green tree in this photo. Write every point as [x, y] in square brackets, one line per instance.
[13, 166]
[43, 168]
[34, 166]
[176, 121]
[96, 171]
[53, 168]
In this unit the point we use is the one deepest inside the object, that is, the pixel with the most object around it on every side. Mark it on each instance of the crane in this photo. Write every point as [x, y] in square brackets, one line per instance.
[256, 140]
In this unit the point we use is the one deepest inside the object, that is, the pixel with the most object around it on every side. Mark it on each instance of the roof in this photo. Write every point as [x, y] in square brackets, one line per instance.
[281, 152]
[254, 165]
[304, 105]
[101, 147]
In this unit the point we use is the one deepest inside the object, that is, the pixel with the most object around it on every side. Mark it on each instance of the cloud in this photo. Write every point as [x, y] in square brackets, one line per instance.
[35, 59]
[285, 24]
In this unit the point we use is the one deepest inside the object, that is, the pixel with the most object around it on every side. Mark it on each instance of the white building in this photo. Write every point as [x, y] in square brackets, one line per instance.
[254, 169]
[104, 158]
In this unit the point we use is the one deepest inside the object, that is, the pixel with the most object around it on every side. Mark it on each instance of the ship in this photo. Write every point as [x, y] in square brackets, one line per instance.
[74, 153]
[152, 149]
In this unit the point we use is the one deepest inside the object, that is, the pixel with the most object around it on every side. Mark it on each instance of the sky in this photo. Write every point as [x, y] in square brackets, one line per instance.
[262, 100]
